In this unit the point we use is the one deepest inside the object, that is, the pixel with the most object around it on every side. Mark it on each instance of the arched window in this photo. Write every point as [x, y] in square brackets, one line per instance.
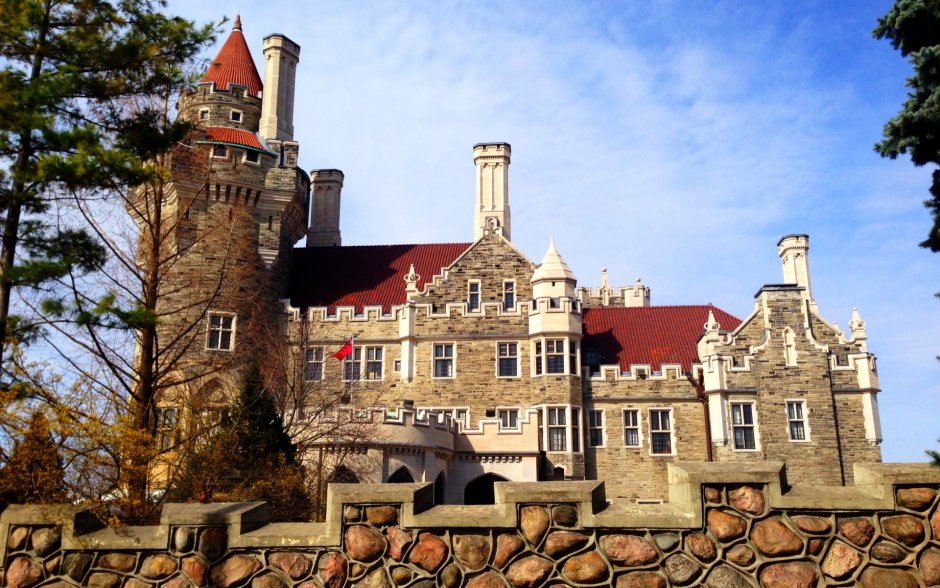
[401, 476]
[480, 490]
[439, 483]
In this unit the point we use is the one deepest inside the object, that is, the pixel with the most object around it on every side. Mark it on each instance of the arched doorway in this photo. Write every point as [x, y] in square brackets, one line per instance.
[343, 475]
[480, 490]
[401, 476]
[439, 483]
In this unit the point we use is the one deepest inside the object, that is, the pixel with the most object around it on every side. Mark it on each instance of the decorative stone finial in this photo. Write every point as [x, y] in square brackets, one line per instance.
[711, 325]
[238, 23]
[857, 325]
[411, 283]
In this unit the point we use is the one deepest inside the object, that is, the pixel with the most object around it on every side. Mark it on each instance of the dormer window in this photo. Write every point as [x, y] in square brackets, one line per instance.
[235, 116]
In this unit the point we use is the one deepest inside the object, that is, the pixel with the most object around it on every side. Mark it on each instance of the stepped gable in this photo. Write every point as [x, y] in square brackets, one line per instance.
[364, 275]
[651, 335]
[234, 65]
[236, 137]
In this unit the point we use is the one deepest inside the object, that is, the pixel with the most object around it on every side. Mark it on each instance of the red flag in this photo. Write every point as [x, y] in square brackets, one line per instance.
[345, 350]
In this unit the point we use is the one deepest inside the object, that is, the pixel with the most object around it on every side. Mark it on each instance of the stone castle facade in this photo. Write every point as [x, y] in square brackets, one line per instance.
[471, 363]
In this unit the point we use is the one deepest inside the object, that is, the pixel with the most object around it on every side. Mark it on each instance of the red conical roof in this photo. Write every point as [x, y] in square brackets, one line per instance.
[233, 64]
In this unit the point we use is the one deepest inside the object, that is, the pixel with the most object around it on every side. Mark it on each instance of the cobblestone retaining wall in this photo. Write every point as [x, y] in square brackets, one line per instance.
[725, 526]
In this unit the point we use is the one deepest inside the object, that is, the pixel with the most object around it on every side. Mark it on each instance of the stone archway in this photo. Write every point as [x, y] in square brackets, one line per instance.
[480, 490]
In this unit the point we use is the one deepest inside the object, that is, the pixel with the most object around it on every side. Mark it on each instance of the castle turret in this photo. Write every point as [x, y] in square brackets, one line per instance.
[492, 202]
[281, 56]
[793, 251]
[327, 185]
[554, 306]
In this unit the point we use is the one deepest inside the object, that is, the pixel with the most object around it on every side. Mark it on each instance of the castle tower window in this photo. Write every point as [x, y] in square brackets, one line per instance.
[796, 419]
[509, 295]
[220, 332]
[313, 366]
[555, 356]
[473, 295]
[661, 432]
[509, 418]
[572, 358]
[595, 428]
[204, 114]
[219, 151]
[575, 429]
[743, 425]
[235, 116]
[251, 156]
[507, 360]
[444, 360]
[352, 366]
[631, 428]
[557, 429]
[373, 363]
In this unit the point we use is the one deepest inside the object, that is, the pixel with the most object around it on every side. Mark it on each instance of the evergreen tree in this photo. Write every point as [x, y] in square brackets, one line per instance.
[913, 27]
[66, 70]
[34, 473]
[934, 456]
[249, 457]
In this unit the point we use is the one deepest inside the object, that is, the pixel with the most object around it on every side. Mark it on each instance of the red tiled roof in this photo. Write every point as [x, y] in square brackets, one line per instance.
[234, 65]
[233, 137]
[364, 275]
[651, 335]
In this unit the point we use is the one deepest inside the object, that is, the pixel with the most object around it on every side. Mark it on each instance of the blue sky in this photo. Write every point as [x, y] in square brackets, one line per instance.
[672, 141]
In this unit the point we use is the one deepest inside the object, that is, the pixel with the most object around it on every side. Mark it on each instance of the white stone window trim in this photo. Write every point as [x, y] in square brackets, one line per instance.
[232, 331]
[671, 430]
[595, 427]
[515, 300]
[236, 115]
[452, 358]
[474, 289]
[753, 426]
[566, 413]
[308, 361]
[538, 355]
[638, 413]
[246, 161]
[518, 345]
[224, 149]
[203, 111]
[807, 434]
[500, 410]
[363, 361]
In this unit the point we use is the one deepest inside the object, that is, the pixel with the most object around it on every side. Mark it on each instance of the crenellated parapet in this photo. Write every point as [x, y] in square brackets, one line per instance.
[724, 525]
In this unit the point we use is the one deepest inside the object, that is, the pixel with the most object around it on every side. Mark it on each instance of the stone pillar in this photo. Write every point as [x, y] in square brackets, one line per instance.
[492, 179]
[326, 188]
[281, 56]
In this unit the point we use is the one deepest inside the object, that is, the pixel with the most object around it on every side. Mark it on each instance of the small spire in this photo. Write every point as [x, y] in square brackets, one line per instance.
[238, 23]
[711, 326]
[857, 324]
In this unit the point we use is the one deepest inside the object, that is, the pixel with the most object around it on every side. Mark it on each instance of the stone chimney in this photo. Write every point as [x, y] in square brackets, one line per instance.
[326, 186]
[793, 251]
[492, 202]
[281, 56]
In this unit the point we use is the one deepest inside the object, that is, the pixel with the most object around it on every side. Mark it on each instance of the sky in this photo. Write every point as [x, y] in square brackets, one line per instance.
[670, 141]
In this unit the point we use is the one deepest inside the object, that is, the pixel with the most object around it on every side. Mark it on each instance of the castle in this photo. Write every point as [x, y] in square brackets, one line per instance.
[468, 363]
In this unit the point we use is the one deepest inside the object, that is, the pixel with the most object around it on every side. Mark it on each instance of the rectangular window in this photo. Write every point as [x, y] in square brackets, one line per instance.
[444, 360]
[796, 411]
[660, 431]
[251, 156]
[373, 363]
[631, 428]
[595, 428]
[220, 333]
[575, 429]
[538, 358]
[236, 116]
[572, 358]
[352, 366]
[166, 428]
[742, 424]
[509, 418]
[555, 356]
[203, 115]
[557, 429]
[219, 151]
[313, 368]
[396, 365]
[509, 295]
[473, 296]
[508, 360]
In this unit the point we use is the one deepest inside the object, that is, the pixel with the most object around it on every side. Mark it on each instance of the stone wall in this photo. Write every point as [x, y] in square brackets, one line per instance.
[728, 525]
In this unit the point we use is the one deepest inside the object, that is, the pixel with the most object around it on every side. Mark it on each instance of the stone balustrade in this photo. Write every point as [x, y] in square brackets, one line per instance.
[725, 525]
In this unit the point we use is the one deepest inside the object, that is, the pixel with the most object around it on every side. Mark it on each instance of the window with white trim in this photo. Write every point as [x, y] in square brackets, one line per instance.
[572, 357]
[364, 363]
[220, 331]
[537, 360]
[507, 360]
[631, 428]
[557, 428]
[313, 365]
[251, 156]
[595, 428]
[743, 426]
[204, 114]
[235, 116]
[660, 431]
[508, 418]
[796, 420]
[509, 295]
[443, 360]
[575, 429]
[554, 356]
[473, 295]
[219, 151]
[374, 363]
[352, 366]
